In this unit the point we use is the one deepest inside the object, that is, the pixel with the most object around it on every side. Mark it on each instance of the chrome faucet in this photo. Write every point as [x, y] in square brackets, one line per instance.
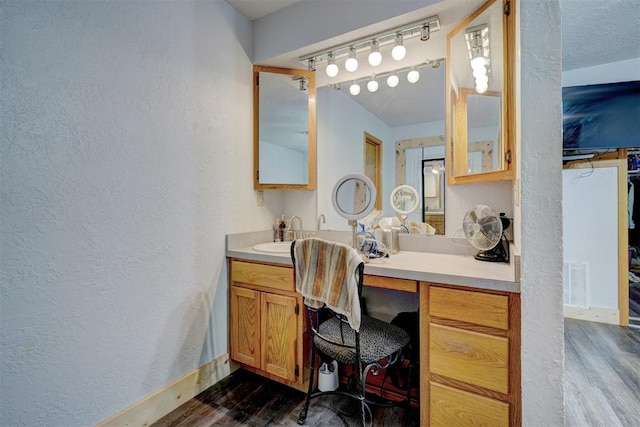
[292, 232]
[321, 220]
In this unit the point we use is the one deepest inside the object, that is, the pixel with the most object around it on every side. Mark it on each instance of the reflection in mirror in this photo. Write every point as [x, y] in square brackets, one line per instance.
[353, 198]
[483, 131]
[478, 78]
[404, 200]
[283, 130]
[416, 160]
[390, 114]
[433, 186]
[284, 135]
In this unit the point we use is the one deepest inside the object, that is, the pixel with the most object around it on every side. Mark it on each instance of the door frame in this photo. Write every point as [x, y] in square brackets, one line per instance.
[619, 161]
[377, 179]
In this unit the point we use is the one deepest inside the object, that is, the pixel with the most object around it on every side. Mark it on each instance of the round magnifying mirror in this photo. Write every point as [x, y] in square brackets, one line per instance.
[354, 196]
[404, 200]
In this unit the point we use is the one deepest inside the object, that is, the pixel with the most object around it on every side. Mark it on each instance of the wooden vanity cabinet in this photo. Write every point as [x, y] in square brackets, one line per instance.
[267, 323]
[472, 359]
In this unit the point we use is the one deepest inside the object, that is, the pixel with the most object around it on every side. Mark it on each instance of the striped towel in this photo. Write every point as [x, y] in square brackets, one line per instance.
[326, 274]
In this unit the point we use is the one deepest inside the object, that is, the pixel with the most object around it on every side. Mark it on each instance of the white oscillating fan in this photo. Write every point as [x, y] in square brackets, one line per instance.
[484, 230]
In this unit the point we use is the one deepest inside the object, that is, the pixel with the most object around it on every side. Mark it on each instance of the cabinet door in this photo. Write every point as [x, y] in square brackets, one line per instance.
[245, 326]
[279, 326]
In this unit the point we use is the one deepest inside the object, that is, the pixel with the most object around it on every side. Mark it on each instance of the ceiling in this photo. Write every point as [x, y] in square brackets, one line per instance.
[593, 32]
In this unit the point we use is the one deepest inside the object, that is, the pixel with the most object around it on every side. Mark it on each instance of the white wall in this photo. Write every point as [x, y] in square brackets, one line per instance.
[622, 71]
[434, 128]
[315, 21]
[125, 133]
[539, 211]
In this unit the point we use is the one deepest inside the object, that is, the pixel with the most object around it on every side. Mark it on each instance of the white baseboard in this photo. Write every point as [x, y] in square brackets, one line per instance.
[593, 314]
[158, 404]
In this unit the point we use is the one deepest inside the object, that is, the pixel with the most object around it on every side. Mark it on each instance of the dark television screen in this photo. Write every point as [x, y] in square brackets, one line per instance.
[596, 117]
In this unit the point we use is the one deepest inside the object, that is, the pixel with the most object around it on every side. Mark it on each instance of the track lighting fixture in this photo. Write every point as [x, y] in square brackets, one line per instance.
[303, 83]
[412, 74]
[478, 46]
[375, 57]
[332, 68]
[425, 32]
[351, 64]
[399, 51]
[375, 46]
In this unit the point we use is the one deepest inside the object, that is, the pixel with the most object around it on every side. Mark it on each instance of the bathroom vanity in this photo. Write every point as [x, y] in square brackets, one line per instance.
[469, 327]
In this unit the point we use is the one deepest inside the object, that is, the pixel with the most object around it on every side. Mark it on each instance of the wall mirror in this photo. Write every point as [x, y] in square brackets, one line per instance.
[409, 111]
[480, 119]
[284, 129]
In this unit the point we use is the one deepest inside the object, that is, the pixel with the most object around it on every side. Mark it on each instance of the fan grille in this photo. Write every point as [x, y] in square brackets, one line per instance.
[482, 227]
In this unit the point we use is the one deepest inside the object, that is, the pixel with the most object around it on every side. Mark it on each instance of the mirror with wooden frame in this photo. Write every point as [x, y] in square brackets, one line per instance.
[480, 120]
[284, 129]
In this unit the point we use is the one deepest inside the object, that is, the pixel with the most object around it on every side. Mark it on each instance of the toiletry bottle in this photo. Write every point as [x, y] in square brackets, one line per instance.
[276, 229]
[281, 228]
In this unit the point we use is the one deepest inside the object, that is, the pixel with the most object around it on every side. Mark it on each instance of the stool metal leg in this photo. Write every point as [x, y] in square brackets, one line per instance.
[303, 413]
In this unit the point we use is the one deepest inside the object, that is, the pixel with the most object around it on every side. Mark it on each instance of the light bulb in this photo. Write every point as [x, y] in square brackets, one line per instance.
[482, 80]
[478, 62]
[479, 71]
[332, 68]
[393, 80]
[351, 64]
[480, 88]
[372, 86]
[375, 57]
[354, 89]
[413, 76]
[399, 51]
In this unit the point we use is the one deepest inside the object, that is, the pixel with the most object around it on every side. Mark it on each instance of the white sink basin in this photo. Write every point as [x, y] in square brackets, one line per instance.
[273, 247]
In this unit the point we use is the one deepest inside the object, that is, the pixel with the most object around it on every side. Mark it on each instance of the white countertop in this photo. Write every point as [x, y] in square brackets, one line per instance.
[453, 269]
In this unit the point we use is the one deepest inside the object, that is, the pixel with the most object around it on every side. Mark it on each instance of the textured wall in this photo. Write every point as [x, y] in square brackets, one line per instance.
[621, 71]
[541, 213]
[125, 133]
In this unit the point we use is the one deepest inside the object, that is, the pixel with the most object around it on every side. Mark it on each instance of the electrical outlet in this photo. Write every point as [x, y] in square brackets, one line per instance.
[260, 197]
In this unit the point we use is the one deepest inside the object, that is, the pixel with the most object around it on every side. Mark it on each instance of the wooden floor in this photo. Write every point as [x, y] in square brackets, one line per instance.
[246, 399]
[602, 388]
[602, 374]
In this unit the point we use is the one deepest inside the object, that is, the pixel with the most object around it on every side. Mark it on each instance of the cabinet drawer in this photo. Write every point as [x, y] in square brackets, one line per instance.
[267, 276]
[391, 283]
[473, 307]
[472, 357]
[452, 407]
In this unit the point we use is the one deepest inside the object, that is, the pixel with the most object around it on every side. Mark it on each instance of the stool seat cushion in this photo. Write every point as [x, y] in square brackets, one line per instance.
[378, 340]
